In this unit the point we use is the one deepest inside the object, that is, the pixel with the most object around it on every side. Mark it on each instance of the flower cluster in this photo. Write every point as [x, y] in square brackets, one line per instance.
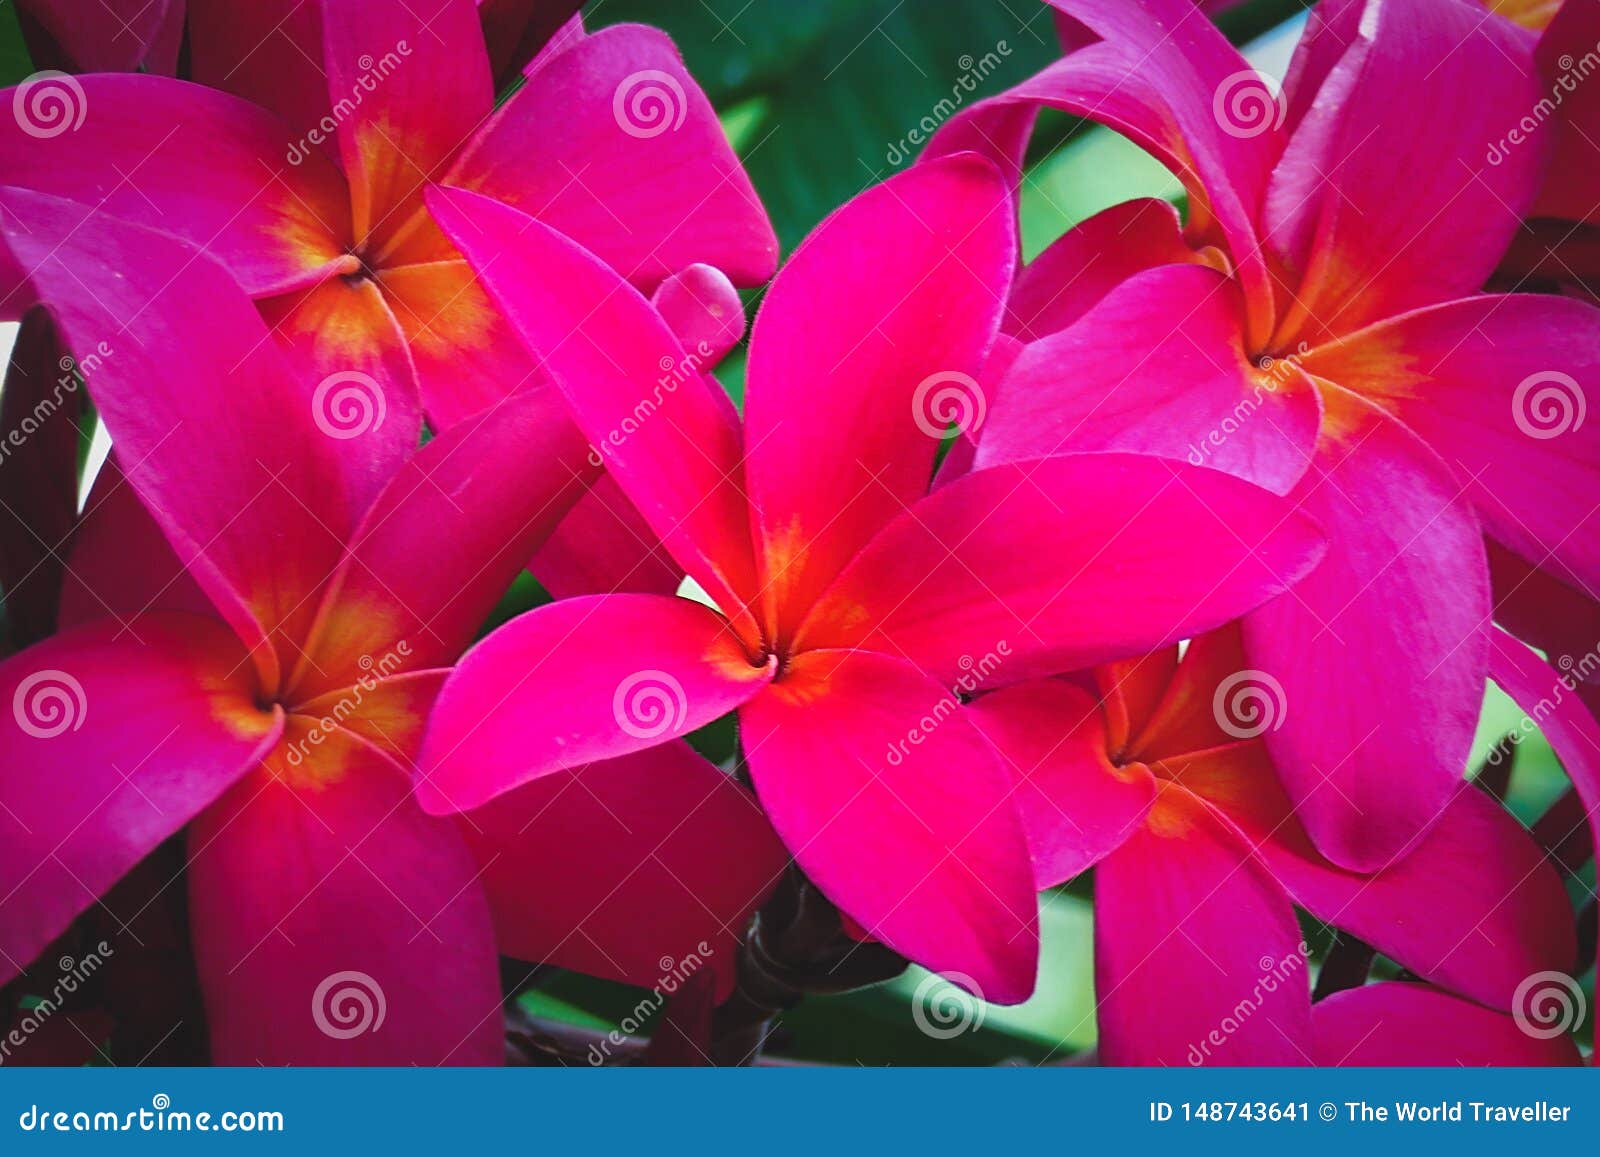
[1182, 554]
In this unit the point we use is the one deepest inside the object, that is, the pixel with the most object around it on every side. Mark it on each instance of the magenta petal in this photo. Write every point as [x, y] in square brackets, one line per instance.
[603, 546]
[1076, 805]
[335, 924]
[121, 565]
[703, 310]
[257, 496]
[605, 675]
[612, 142]
[1496, 385]
[426, 72]
[1399, 1024]
[1163, 76]
[192, 161]
[111, 742]
[1186, 897]
[902, 288]
[1378, 655]
[115, 36]
[674, 858]
[1470, 904]
[270, 53]
[1361, 253]
[1063, 563]
[493, 488]
[1572, 182]
[662, 428]
[1157, 367]
[1091, 259]
[896, 806]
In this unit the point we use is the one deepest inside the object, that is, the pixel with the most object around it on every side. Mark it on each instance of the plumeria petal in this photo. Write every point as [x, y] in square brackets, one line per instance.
[1399, 1024]
[611, 674]
[663, 429]
[1064, 563]
[674, 856]
[110, 743]
[1163, 76]
[1497, 385]
[1076, 805]
[605, 547]
[1358, 252]
[433, 88]
[895, 805]
[1185, 896]
[1091, 259]
[1471, 904]
[195, 162]
[334, 923]
[1391, 627]
[903, 288]
[257, 496]
[612, 142]
[1157, 367]
[494, 488]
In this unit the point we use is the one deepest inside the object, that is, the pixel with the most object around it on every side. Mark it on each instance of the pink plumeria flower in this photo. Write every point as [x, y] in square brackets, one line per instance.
[1313, 331]
[313, 197]
[1161, 779]
[848, 603]
[258, 616]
